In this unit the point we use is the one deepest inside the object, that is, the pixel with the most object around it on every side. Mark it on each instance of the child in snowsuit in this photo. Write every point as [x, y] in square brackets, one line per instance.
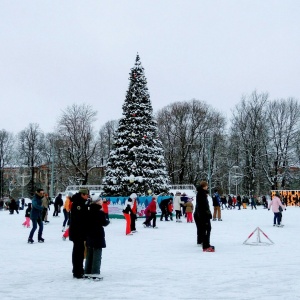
[95, 239]
[170, 209]
[189, 210]
[27, 216]
[147, 222]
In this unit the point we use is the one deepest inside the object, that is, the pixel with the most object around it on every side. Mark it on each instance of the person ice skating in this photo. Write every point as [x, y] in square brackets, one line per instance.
[239, 201]
[184, 199]
[22, 203]
[202, 217]
[147, 213]
[13, 206]
[27, 216]
[152, 210]
[223, 201]
[45, 204]
[163, 205]
[58, 202]
[77, 229]
[66, 211]
[189, 207]
[105, 204]
[133, 216]
[252, 202]
[95, 239]
[36, 216]
[126, 212]
[275, 203]
[245, 202]
[264, 201]
[217, 206]
[176, 203]
[170, 208]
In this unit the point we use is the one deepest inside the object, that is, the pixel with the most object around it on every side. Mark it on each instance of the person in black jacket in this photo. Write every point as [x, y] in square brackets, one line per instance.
[95, 239]
[164, 209]
[57, 204]
[78, 229]
[202, 216]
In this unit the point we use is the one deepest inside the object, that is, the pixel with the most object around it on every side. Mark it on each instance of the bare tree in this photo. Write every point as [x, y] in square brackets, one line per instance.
[77, 143]
[30, 147]
[189, 132]
[6, 155]
[249, 125]
[283, 124]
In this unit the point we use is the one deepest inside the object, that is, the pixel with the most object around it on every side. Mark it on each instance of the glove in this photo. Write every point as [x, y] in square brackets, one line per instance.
[285, 209]
[268, 208]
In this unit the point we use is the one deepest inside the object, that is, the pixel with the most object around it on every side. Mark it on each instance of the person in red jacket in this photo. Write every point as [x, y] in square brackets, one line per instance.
[170, 209]
[152, 209]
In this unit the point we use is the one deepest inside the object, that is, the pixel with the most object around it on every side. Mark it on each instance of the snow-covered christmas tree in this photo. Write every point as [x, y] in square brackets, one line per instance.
[136, 163]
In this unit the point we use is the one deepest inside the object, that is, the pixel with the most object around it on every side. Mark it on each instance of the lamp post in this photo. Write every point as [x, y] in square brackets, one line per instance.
[209, 164]
[52, 171]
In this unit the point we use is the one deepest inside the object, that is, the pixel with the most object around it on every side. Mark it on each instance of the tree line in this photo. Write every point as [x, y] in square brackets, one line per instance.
[261, 138]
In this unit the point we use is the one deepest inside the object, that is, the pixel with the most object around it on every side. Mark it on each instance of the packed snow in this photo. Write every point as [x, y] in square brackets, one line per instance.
[163, 263]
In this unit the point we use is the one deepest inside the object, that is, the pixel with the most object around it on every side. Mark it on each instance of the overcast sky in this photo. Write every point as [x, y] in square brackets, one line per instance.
[56, 53]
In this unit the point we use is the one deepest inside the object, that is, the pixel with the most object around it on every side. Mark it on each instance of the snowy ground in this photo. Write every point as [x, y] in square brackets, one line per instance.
[158, 264]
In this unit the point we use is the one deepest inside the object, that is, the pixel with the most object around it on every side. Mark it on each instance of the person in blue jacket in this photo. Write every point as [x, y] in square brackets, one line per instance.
[36, 216]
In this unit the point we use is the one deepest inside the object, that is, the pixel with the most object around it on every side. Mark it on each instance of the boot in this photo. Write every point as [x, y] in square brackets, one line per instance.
[30, 241]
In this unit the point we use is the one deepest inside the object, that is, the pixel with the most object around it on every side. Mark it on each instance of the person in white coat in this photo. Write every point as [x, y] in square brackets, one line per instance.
[176, 204]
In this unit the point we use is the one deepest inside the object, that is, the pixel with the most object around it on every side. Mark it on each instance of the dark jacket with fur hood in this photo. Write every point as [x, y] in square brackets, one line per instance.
[202, 211]
[95, 231]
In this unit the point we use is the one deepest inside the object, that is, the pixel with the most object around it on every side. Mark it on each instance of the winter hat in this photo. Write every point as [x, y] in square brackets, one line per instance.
[277, 194]
[190, 199]
[84, 191]
[70, 194]
[133, 196]
[96, 199]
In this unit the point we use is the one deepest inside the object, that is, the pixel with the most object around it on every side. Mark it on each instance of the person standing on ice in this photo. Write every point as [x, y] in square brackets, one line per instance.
[95, 239]
[133, 217]
[152, 209]
[126, 212]
[27, 216]
[217, 206]
[78, 230]
[66, 211]
[36, 216]
[177, 206]
[202, 217]
[275, 204]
